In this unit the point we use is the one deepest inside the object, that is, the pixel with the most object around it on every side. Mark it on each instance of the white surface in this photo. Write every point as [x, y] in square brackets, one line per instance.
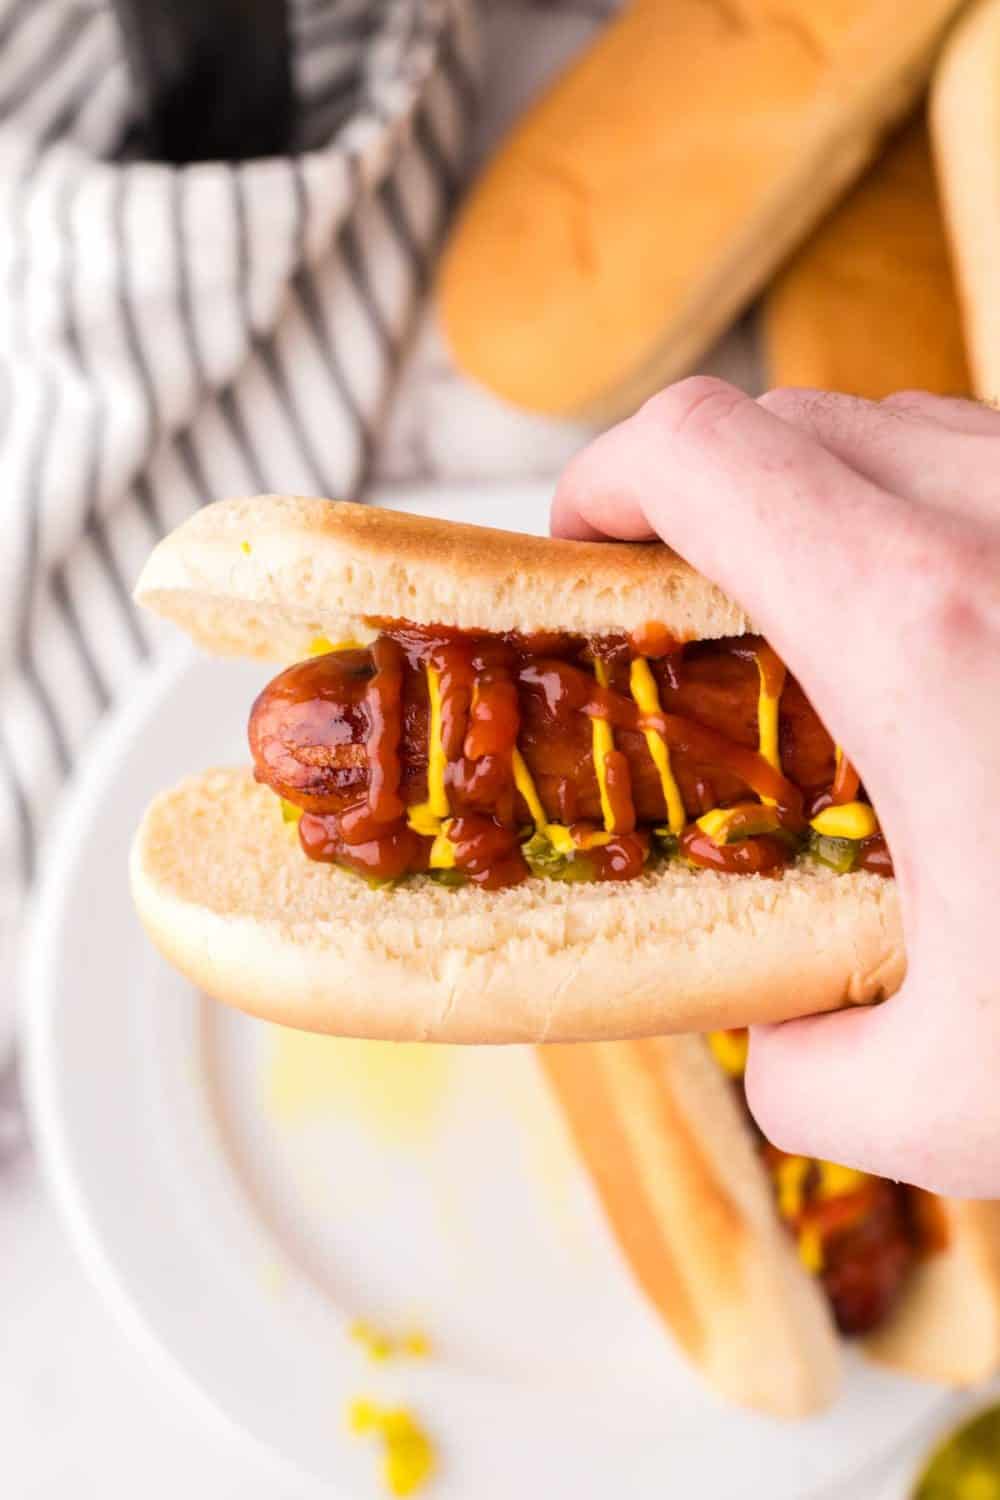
[235, 1246]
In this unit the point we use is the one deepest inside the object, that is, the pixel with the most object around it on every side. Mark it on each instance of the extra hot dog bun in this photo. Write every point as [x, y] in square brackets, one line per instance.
[692, 1209]
[668, 1148]
[965, 125]
[650, 193]
[229, 897]
[869, 305]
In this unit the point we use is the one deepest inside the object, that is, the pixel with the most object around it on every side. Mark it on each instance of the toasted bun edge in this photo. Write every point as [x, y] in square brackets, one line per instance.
[263, 577]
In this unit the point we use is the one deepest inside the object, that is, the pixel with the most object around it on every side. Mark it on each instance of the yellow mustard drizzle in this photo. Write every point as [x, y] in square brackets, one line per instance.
[431, 818]
[642, 684]
[810, 1246]
[557, 834]
[715, 821]
[834, 1181]
[604, 743]
[730, 1048]
[791, 1174]
[767, 725]
[526, 786]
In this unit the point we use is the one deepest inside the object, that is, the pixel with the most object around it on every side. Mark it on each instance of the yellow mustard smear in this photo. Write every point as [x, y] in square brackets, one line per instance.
[408, 1457]
[847, 820]
[381, 1346]
[321, 645]
[718, 821]
[397, 1090]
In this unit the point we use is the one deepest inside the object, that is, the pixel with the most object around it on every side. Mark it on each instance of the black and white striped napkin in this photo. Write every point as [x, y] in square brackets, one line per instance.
[170, 335]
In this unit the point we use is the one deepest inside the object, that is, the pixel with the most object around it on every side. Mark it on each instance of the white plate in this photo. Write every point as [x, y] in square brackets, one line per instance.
[241, 1195]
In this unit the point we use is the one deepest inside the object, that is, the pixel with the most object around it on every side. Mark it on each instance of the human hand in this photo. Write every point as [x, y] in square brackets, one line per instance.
[863, 539]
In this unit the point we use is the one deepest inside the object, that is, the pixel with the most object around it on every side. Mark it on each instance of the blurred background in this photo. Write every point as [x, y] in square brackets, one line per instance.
[412, 252]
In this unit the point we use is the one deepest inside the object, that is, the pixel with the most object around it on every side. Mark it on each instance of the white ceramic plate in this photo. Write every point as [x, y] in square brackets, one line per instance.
[242, 1195]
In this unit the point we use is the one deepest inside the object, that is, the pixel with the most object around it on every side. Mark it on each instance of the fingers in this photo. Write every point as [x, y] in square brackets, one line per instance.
[905, 1090]
[952, 412]
[753, 502]
[595, 499]
[935, 451]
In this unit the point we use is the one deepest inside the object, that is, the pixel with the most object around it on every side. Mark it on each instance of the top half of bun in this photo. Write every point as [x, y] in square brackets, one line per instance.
[264, 577]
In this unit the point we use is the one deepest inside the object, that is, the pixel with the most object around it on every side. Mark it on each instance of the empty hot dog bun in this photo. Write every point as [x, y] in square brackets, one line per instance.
[649, 194]
[229, 896]
[869, 304]
[671, 1152]
[965, 127]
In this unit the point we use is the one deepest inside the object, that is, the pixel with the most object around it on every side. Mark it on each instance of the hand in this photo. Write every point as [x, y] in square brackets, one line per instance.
[863, 539]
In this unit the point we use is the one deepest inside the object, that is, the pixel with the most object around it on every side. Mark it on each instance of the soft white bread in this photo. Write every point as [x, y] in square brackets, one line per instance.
[264, 577]
[965, 126]
[660, 1130]
[647, 195]
[947, 1325]
[228, 896]
[690, 1203]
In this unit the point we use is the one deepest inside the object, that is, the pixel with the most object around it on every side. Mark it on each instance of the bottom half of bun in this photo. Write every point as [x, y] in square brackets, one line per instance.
[228, 896]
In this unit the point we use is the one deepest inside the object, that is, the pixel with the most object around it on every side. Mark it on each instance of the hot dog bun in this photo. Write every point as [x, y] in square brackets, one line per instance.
[965, 126]
[669, 1150]
[263, 577]
[869, 305]
[691, 1206]
[228, 895]
[651, 192]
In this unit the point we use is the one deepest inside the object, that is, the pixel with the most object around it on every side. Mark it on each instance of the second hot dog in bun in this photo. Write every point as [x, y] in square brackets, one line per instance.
[761, 1264]
[510, 789]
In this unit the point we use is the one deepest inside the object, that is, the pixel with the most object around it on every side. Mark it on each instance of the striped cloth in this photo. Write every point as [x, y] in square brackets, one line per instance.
[170, 335]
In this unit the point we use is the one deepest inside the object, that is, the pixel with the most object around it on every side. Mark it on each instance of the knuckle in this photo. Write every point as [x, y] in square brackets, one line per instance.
[790, 400]
[914, 401]
[957, 591]
[697, 405]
